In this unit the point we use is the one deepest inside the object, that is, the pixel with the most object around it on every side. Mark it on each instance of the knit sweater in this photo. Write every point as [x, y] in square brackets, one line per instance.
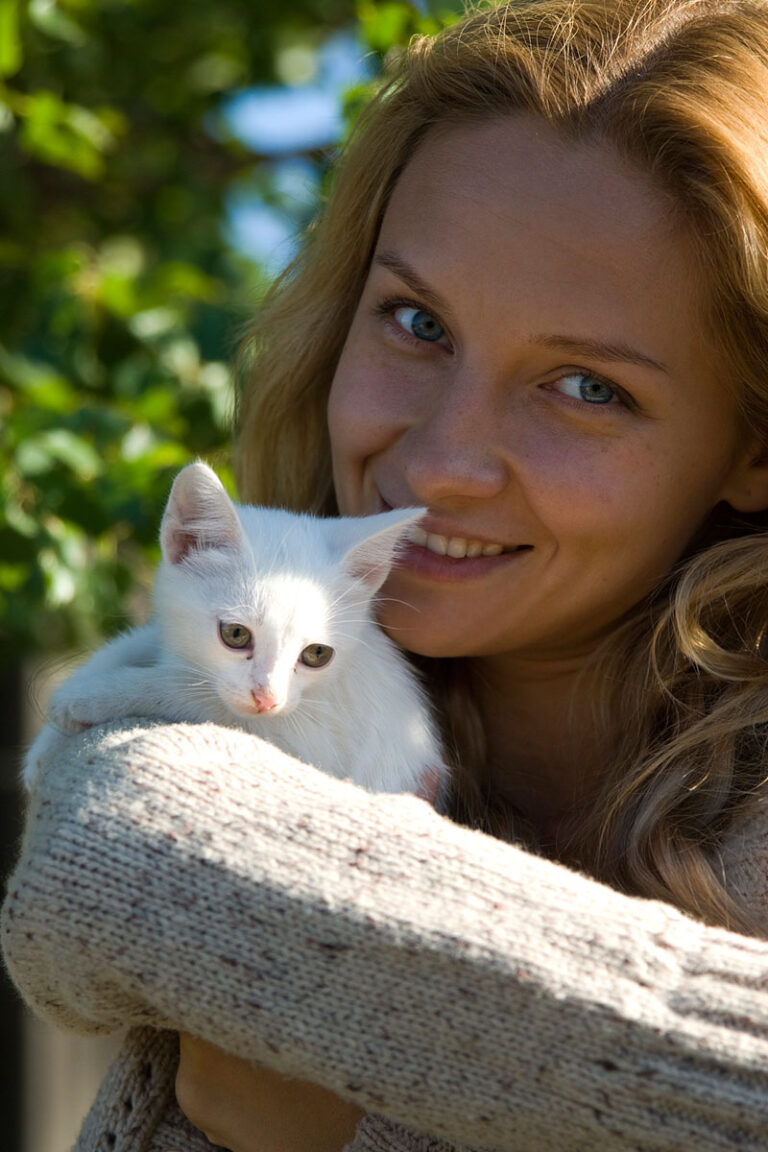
[194, 878]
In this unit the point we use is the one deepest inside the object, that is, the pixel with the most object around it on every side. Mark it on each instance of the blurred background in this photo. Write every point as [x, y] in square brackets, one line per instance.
[158, 163]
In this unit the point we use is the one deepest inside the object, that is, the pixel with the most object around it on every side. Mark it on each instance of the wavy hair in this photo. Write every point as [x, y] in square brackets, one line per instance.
[680, 88]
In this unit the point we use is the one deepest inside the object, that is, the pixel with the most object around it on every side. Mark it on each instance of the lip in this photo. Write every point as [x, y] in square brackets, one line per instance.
[416, 560]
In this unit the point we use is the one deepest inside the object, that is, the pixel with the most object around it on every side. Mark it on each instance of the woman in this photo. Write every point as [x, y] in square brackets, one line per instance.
[537, 304]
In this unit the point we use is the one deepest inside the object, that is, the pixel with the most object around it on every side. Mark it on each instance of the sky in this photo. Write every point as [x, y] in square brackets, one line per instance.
[282, 122]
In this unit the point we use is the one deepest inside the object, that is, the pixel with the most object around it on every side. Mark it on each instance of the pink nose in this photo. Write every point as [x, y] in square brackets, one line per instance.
[264, 701]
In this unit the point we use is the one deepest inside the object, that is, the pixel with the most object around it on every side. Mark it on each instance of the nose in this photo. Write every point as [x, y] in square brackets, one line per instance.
[454, 450]
[264, 701]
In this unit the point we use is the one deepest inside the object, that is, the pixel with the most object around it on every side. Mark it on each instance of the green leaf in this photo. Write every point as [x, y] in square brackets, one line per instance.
[49, 18]
[38, 454]
[65, 135]
[385, 25]
[19, 520]
[445, 12]
[215, 382]
[39, 382]
[177, 278]
[60, 584]
[11, 53]
[13, 576]
[355, 101]
[392, 24]
[155, 323]
[90, 126]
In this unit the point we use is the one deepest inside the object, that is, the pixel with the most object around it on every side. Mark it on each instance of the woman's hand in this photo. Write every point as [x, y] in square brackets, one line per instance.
[248, 1108]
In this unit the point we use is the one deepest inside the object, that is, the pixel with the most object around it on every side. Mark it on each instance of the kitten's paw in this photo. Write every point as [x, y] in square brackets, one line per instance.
[71, 714]
[73, 708]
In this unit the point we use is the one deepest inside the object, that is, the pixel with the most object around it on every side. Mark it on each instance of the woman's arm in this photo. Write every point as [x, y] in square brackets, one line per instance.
[196, 878]
[249, 1108]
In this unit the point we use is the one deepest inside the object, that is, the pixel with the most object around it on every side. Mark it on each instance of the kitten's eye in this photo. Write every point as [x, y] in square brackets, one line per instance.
[234, 635]
[316, 655]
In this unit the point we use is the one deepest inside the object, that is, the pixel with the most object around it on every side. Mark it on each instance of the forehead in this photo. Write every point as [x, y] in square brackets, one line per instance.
[510, 211]
[518, 169]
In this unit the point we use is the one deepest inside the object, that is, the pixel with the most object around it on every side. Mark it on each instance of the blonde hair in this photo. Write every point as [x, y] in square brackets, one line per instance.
[680, 87]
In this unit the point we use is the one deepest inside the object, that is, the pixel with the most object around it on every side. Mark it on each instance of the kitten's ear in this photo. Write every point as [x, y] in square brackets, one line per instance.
[372, 543]
[199, 514]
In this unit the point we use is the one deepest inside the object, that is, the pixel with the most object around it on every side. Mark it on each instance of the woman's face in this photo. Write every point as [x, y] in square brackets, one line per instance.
[528, 362]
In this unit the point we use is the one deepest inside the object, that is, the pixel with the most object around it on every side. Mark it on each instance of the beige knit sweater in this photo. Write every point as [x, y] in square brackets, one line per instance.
[189, 877]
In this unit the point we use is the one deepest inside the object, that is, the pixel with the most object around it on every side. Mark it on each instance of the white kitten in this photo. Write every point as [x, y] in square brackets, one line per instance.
[263, 621]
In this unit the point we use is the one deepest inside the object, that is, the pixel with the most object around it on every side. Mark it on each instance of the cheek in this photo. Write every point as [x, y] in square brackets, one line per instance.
[363, 393]
[343, 422]
[360, 423]
[232, 679]
[642, 497]
[201, 646]
[294, 689]
[344, 436]
[573, 482]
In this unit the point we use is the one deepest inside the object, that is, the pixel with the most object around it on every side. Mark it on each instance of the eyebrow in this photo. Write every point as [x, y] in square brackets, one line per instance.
[412, 279]
[609, 351]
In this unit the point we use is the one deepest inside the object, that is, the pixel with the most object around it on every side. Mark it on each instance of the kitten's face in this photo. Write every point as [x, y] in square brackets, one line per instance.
[267, 643]
[260, 605]
[277, 651]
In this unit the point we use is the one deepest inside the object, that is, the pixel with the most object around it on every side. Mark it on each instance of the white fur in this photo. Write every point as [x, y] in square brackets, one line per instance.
[293, 581]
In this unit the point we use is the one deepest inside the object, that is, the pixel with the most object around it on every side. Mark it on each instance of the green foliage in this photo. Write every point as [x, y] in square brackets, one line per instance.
[387, 27]
[391, 24]
[122, 300]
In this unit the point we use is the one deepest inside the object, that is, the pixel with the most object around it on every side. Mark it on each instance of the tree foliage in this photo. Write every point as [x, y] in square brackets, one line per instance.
[122, 296]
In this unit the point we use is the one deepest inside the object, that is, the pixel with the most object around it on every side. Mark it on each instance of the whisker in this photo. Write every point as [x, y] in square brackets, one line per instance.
[358, 642]
[309, 706]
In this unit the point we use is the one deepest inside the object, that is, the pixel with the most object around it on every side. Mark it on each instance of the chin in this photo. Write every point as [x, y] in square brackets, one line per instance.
[240, 712]
[440, 646]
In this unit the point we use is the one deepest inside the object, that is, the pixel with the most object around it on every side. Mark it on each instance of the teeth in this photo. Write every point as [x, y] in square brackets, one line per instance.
[437, 543]
[416, 535]
[456, 546]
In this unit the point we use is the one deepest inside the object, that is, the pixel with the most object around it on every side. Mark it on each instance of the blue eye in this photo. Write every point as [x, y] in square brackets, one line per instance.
[419, 324]
[585, 386]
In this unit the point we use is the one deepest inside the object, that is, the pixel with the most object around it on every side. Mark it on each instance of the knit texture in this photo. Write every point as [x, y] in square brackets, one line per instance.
[190, 877]
[135, 1109]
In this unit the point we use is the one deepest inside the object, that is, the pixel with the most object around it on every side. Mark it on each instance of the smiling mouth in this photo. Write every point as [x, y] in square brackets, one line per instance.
[458, 547]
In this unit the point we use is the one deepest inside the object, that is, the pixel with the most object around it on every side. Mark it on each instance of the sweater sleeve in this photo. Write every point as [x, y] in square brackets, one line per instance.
[195, 878]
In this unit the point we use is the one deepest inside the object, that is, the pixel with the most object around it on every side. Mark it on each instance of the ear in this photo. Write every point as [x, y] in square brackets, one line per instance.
[746, 489]
[370, 543]
[199, 514]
